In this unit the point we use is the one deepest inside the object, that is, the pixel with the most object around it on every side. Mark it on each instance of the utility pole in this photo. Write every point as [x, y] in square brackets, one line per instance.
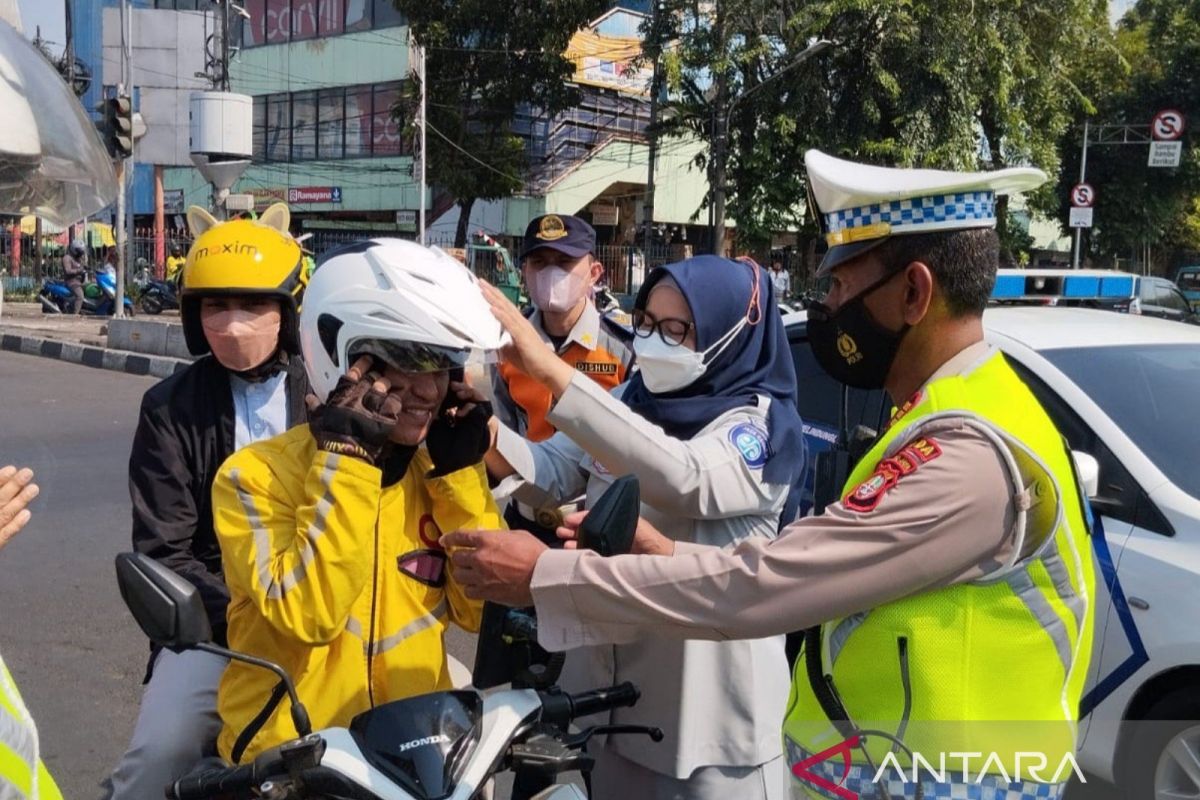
[69, 52]
[720, 134]
[1082, 179]
[652, 132]
[124, 214]
[420, 51]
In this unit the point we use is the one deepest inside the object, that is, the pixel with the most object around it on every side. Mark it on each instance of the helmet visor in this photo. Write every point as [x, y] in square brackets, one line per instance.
[418, 356]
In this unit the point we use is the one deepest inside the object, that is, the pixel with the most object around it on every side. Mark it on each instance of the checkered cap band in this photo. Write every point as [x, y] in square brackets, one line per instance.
[858, 782]
[915, 212]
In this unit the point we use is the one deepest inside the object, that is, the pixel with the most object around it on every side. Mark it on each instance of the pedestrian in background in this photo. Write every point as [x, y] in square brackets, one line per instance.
[781, 279]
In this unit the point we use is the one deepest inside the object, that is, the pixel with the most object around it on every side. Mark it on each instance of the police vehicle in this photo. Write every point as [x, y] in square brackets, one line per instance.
[1125, 391]
[1115, 291]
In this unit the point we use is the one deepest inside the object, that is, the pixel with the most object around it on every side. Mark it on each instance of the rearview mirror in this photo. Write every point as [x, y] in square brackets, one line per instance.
[167, 608]
[611, 523]
[1089, 472]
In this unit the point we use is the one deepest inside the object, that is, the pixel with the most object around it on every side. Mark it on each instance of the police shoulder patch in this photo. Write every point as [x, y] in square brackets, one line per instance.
[752, 442]
[904, 462]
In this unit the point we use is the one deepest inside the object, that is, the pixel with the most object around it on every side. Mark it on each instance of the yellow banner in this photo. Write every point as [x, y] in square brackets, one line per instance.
[608, 61]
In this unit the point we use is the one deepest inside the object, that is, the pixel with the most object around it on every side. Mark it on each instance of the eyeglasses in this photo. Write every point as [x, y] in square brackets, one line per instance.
[671, 331]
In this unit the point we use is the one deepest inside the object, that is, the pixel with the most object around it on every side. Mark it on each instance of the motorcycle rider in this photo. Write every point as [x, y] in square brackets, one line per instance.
[239, 311]
[74, 272]
[330, 533]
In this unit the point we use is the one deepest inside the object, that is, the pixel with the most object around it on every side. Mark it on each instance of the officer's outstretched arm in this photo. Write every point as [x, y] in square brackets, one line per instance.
[948, 521]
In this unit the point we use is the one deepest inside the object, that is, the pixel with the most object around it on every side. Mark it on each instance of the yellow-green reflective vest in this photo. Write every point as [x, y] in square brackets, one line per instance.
[995, 667]
[22, 774]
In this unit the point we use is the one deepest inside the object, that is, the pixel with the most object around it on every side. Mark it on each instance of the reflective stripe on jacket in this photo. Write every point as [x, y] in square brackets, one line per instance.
[312, 547]
[23, 776]
[992, 666]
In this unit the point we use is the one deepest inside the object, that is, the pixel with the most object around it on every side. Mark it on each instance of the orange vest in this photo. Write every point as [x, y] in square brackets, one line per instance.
[604, 367]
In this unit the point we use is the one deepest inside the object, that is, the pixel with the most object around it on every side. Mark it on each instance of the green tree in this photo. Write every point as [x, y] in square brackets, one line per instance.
[485, 62]
[1159, 67]
[940, 83]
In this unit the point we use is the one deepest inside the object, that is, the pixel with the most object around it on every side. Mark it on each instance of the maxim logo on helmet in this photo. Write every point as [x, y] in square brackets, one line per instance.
[233, 248]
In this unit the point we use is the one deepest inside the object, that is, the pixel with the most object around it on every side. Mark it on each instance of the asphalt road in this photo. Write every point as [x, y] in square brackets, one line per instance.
[77, 655]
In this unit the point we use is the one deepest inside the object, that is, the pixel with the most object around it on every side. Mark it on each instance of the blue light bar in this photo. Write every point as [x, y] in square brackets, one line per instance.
[1117, 287]
[1081, 286]
[1009, 286]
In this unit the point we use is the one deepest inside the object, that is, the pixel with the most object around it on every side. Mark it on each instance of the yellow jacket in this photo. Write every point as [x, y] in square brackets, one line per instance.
[173, 266]
[311, 547]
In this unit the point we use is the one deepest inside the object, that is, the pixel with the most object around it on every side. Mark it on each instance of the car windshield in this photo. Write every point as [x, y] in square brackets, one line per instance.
[1151, 393]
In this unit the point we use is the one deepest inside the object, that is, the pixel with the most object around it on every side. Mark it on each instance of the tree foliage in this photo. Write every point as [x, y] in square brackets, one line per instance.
[1159, 67]
[485, 61]
[941, 83]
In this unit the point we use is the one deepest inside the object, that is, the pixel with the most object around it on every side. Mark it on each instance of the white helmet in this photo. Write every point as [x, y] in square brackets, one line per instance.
[416, 308]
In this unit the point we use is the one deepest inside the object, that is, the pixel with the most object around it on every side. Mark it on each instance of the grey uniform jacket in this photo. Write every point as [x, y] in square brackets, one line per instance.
[719, 703]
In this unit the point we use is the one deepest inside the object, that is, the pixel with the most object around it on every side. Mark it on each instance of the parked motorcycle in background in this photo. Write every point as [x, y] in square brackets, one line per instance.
[99, 296]
[154, 295]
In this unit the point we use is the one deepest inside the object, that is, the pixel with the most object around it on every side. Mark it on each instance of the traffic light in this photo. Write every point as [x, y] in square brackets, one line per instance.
[118, 126]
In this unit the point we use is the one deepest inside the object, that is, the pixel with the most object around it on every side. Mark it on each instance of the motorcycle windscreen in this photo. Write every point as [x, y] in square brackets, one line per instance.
[423, 743]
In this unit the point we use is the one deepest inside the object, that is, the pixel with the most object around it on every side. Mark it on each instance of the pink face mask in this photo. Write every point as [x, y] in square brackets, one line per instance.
[557, 289]
[241, 340]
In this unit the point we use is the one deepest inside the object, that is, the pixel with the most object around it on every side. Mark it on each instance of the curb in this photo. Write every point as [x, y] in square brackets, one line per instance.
[90, 356]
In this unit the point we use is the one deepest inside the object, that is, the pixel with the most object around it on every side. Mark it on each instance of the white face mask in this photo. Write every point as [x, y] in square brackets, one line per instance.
[671, 367]
[556, 289]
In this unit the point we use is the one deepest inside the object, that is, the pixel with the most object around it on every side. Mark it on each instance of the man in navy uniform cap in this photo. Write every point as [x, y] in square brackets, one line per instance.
[560, 269]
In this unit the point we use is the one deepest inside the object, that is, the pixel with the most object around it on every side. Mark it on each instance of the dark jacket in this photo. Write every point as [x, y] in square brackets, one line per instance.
[185, 432]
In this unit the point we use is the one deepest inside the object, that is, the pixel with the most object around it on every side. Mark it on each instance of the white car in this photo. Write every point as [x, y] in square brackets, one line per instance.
[1126, 391]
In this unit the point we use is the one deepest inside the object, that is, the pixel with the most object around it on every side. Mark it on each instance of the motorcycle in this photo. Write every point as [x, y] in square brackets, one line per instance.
[438, 746]
[99, 298]
[155, 296]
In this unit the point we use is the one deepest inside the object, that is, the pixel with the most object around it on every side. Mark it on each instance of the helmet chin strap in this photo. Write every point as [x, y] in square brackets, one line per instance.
[268, 369]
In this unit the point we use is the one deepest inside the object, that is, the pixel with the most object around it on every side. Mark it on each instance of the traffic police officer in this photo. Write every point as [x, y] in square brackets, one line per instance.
[561, 271]
[953, 582]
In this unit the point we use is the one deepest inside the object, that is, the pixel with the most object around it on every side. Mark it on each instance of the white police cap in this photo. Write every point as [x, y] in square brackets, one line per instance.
[860, 206]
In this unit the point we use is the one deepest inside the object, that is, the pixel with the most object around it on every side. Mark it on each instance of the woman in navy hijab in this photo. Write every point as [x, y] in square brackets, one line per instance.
[709, 426]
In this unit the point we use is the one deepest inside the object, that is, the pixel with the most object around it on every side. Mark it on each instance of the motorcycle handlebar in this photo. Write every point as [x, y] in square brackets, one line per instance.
[213, 782]
[562, 708]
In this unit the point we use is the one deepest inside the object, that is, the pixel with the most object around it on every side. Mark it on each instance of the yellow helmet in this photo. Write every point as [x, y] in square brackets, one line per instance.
[242, 257]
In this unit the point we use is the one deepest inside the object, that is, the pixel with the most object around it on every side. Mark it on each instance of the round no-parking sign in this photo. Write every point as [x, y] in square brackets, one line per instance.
[1167, 125]
[1083, 195]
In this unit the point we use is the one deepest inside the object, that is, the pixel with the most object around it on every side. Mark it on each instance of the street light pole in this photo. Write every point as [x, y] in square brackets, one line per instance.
[721, 137]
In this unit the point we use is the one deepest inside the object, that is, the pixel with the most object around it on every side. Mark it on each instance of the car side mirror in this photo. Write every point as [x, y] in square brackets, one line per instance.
[1089, 472]
[168, 608]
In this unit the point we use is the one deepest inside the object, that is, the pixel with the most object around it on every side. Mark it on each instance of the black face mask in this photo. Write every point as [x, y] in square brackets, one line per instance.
[850, 345]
